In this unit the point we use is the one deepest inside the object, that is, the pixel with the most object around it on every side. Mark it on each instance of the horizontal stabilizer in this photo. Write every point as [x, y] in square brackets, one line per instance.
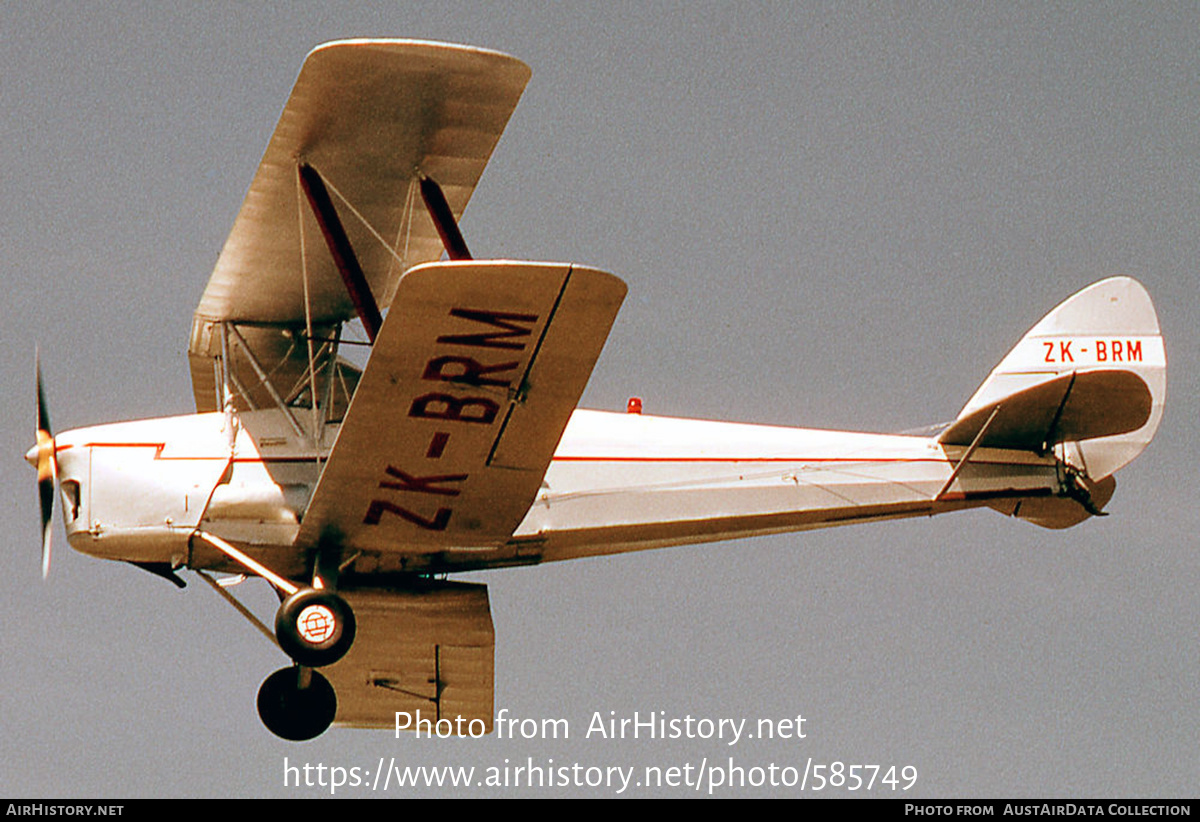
[1069, 408]
[1057, 513]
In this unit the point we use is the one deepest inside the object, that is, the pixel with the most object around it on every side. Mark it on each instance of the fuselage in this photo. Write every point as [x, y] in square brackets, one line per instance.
[140, 490]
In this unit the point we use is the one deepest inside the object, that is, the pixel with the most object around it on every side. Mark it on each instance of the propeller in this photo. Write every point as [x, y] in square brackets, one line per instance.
[42, 457]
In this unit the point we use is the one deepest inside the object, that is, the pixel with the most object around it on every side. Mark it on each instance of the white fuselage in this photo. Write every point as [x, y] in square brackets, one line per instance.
[618, 482]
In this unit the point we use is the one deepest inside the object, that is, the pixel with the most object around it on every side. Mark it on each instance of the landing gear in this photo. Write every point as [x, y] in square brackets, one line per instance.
[315, 627]
[297, 703]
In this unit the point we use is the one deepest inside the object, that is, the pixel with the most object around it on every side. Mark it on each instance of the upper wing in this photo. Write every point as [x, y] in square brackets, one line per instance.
[367, 115]
[470, 384]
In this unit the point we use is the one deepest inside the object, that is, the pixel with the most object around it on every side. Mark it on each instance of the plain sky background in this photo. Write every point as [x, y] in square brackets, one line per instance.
[829, 215]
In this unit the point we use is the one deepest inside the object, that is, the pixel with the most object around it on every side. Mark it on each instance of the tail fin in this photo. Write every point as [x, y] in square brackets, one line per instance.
[1089, 381]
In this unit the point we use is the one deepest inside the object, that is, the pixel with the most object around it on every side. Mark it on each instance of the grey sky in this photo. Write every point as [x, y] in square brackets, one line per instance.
[828, 216]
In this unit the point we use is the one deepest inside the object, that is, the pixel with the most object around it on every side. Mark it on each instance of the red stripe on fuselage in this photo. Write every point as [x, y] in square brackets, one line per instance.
[597, 458]
[160, 446]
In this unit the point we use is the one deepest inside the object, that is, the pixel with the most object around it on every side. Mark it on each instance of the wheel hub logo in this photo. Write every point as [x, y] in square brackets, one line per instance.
[316, 624]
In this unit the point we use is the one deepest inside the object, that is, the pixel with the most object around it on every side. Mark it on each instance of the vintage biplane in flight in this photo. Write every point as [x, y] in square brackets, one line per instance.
[458, 446]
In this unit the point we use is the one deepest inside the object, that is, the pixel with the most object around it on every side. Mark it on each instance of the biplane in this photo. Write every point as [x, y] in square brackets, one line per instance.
[355, 490]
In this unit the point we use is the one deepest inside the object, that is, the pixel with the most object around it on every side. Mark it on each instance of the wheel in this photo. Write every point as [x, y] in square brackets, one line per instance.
[315, 628]
[294, 713]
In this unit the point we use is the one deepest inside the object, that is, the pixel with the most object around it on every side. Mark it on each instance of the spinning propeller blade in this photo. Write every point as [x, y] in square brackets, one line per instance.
[43, 458]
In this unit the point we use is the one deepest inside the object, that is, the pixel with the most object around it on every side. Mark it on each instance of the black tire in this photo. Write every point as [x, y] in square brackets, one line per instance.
[294, 713]
[315, 628]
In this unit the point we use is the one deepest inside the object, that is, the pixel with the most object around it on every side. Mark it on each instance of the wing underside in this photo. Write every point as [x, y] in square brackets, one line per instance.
[471, 382]
[426, 649]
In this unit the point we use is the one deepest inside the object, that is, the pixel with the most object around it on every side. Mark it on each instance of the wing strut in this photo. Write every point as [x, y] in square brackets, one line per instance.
[343, 253]
[962, 463]
[443, 219]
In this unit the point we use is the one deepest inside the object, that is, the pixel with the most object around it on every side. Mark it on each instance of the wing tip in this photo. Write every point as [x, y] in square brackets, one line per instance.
[430, 47]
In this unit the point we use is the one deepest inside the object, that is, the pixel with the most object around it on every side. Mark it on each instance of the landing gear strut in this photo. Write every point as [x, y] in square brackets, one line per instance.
[314, 626]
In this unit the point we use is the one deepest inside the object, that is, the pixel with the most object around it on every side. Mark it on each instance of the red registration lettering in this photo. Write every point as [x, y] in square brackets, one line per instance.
[437, 446]
[379, 507]
[466, 371]
[454, 409]
[505, 320]
[421, 485]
